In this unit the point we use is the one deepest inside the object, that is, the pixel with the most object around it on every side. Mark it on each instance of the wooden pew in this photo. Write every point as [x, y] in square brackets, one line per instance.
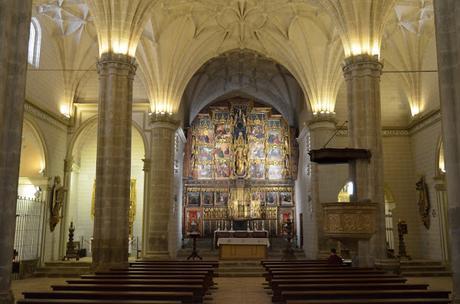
[214, 264]
[77, 301]
[375, 301]
[146, 282]
[275, 282]
[114, 296]
[279, 288]
[197, 290]
[329, 295]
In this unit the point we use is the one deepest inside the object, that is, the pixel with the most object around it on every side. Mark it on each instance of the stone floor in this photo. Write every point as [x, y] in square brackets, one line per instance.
[229, 290]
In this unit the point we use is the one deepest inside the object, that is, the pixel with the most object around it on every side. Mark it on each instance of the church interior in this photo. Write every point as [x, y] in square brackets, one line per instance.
[215, 151]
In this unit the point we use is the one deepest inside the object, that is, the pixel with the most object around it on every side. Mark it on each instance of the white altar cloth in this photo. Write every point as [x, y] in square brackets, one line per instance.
[243, 241]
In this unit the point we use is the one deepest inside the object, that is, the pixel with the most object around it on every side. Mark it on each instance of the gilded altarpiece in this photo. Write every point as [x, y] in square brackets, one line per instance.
[239, 166]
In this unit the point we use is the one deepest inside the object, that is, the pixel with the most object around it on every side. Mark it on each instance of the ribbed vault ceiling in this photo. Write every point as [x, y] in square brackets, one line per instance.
[192, 51]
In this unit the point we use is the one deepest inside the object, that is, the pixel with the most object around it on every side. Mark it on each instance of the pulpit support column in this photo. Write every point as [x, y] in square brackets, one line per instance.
[362, 75]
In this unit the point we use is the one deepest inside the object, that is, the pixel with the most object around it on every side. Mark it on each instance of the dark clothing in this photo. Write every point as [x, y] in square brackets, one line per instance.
[334, 260]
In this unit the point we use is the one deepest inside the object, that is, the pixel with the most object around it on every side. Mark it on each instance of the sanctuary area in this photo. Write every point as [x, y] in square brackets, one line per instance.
[229, 151]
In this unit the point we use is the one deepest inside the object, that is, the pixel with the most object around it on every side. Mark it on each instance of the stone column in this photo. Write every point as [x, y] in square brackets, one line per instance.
[113, 164]
[161, 188]
[447, 17]
[322, 128]
[14, 36]
[362, 76]
[442, 207]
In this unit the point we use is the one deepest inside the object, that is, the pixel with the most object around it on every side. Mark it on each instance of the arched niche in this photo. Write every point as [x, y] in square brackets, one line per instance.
[82, 155]
[32, 169]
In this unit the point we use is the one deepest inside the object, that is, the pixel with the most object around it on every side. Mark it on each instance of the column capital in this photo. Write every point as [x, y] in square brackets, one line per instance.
[362, 65]
[111, 62]
[147, 164]
[164, 120]
[322, 121]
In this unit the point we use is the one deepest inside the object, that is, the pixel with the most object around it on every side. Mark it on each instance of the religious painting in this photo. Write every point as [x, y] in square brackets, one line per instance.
[223, 132]
[275, 172]
[274, 137]
[204, 171]
[222, 198]
[223, 150]
[285, 214]
[286, 198]
[205, 137]
[207, 198]
[205, 154]
[257, 151]
[257, 170]
[193, 199]
[221, 116]
[275, 153]
[274, 123]
[223, 169]
[194, 217]
[272, 198]
[257, 132]
[258, 196]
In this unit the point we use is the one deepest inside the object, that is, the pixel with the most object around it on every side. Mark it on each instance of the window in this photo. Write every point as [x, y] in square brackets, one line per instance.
[35, 38]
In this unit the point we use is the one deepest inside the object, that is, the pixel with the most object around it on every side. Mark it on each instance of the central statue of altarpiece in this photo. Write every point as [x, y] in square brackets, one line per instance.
[239, 169]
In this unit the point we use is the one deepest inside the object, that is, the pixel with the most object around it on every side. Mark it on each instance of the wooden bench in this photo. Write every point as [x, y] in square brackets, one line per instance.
[375, 301]
[214, 264]
[197, 290]
[275, 282]
[363, 294]
[114, 296]
[279, 288]
[77, 301]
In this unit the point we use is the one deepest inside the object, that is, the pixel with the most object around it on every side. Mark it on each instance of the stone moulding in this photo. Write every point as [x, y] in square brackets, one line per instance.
[349, 220]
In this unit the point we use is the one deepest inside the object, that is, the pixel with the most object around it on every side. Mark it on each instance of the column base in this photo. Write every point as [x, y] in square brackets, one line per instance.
[363, 257]
[156, 255]
[6, 297]
[107, 266]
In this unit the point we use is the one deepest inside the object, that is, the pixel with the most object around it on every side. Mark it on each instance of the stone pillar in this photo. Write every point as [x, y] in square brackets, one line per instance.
[113, 164]
[442, 207]
[322, 128]
[14, 36]
[161, 187]
[362, 76]
[447, 17]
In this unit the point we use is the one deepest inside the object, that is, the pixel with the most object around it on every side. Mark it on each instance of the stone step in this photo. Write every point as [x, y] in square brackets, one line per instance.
[423, 268]
[426, 274]
[68, 264]
[420, 262]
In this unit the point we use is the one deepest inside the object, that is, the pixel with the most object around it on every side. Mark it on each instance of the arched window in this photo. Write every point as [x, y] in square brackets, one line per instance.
[441, 161]
[35, 39]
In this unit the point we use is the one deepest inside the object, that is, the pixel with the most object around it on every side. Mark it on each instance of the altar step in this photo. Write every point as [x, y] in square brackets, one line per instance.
[70, 269]
[415, 268]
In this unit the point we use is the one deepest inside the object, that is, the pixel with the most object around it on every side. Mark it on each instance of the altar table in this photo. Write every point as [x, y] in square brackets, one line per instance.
[243, 248]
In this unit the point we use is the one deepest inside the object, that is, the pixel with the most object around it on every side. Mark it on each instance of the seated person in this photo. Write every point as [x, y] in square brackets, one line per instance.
[334, 259]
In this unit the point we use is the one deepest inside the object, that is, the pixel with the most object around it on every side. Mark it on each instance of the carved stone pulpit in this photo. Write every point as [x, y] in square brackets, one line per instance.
[349, 220]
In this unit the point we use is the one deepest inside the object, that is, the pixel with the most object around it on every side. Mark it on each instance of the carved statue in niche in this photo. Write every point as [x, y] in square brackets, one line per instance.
[423, 201]
[241, 156]
[57, 197]
[239, 125]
